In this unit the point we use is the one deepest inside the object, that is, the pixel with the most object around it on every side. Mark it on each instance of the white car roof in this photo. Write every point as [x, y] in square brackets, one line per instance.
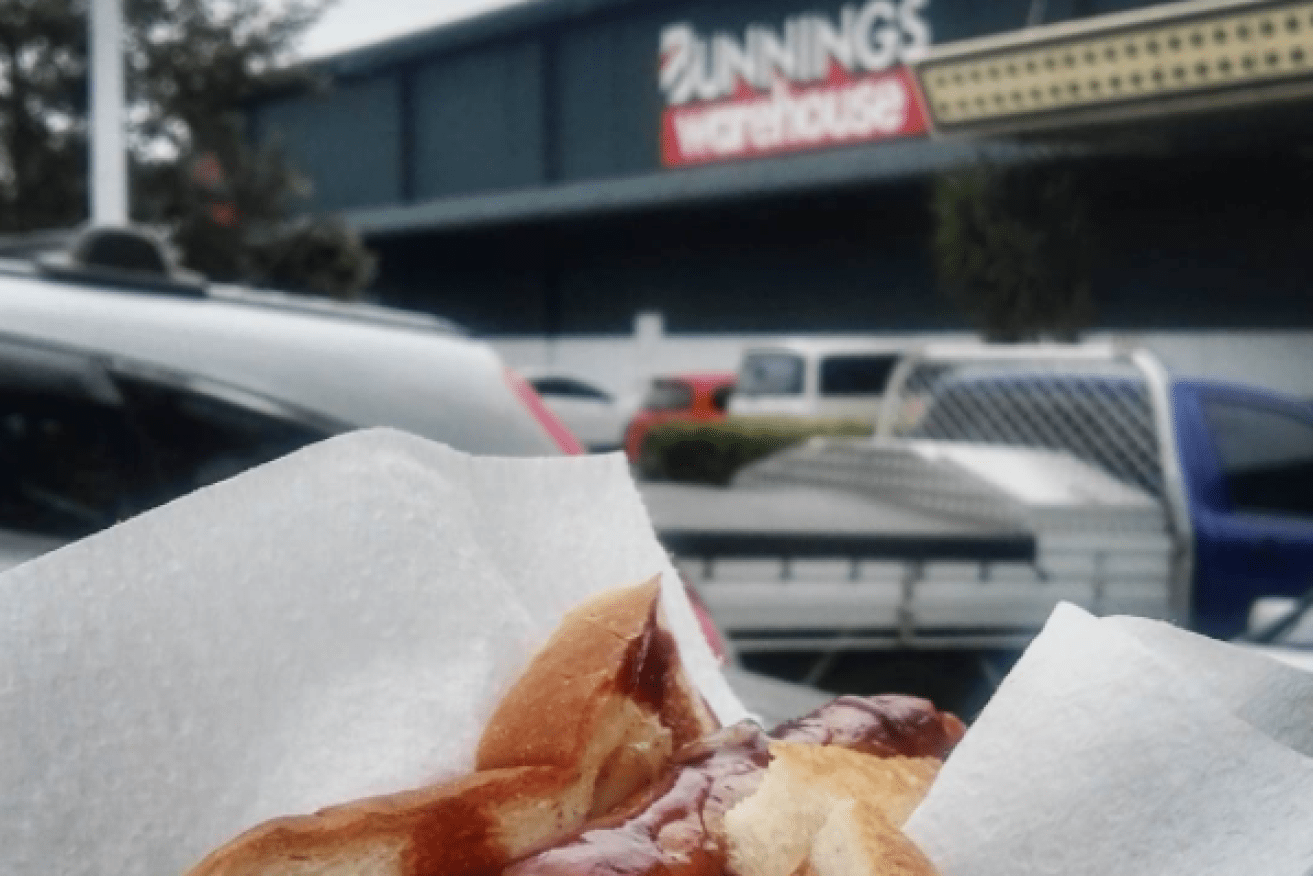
[813, 347]
[357, 366]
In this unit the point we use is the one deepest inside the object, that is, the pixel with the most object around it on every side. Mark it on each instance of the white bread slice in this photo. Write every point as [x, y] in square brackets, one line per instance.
[606, 696]
[593, 720]
[456, 827]
[772, 832]
[858, 840]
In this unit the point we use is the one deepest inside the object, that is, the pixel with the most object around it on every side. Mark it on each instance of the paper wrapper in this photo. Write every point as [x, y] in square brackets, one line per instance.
[341, 622]
[336, 624]
[1124, 746]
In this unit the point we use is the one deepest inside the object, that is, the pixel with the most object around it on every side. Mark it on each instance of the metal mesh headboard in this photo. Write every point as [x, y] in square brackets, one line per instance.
[1096, 407]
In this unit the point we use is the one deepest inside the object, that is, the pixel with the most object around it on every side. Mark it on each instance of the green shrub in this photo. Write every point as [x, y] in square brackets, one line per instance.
[713, 452]
[1014, 248]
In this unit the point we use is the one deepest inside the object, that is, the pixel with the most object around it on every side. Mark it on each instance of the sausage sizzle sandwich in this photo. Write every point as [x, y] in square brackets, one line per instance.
[603, 760]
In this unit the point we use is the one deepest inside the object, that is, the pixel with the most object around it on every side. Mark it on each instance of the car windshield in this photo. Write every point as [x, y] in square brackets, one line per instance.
[771, 374]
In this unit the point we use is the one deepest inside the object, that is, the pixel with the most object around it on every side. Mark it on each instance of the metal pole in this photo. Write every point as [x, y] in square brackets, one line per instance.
[109, 167]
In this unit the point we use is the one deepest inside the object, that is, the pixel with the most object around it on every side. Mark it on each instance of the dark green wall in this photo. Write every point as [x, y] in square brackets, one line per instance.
[1202, 242]
[347, 141]
[478, 122]
[851, 260]
[576, 100]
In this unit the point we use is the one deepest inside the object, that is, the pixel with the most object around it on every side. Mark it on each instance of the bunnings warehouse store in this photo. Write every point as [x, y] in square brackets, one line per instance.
[764, 166]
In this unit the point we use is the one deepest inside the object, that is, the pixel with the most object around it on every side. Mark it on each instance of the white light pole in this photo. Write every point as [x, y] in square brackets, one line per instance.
[109, 165]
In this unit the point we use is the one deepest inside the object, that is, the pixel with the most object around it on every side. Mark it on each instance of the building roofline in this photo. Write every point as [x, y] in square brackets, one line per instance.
[521, 17]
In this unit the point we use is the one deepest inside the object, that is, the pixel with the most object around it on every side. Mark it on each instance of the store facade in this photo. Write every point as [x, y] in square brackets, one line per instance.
[766, 165]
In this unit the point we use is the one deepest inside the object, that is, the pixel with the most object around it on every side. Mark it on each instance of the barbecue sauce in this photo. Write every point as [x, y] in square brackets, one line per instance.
[884, 726]
[651, 678]
[675, 829]
[455, 838]
[666, 831]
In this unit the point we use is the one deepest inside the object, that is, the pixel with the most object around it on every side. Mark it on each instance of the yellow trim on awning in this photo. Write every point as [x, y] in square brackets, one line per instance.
[1141, 64]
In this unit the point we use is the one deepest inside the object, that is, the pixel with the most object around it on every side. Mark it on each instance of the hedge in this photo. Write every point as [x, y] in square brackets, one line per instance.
[713, 452]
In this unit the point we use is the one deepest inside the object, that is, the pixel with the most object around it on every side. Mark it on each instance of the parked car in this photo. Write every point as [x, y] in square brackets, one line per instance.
[815, 378]
[596, 416]
[120, 390]
[700, 396]
[1085, 474]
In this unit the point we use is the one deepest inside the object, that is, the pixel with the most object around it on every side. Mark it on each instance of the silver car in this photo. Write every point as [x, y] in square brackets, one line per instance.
[119, 392]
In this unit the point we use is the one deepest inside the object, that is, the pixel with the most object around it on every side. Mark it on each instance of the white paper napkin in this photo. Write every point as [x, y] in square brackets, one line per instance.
[335, 624]
[1271, 696]
[1120, 747]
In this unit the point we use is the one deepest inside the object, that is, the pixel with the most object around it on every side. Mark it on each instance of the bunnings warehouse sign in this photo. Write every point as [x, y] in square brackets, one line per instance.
[815, 80]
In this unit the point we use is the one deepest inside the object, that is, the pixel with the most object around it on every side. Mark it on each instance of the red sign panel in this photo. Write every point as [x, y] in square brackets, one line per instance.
[844, 110]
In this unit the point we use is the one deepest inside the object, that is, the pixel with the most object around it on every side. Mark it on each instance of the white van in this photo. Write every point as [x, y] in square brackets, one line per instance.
[815, 378]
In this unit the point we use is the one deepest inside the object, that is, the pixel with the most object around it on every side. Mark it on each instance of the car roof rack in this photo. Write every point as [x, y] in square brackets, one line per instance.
[135, 260]
[354, 311]
[124, 257]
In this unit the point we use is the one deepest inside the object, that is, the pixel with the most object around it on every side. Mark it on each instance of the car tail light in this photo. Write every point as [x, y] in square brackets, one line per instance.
[551, 424]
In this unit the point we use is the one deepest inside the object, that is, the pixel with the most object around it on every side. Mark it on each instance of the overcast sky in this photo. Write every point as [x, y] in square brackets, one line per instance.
[351, 23]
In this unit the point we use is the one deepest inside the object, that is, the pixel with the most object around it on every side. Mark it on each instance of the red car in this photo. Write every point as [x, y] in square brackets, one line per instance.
[700, 396]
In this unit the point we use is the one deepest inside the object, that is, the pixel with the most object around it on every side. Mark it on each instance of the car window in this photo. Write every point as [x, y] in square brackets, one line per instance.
[668, 395]
[1266, 457]
[565, 387]
[196, 439]
[856, 374]
[68, 466]
[771, 374]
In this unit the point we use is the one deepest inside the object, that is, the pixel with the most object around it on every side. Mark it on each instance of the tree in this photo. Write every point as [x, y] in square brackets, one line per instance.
[321, 256]
[43, 87]
[1013, 246]
[192, 65]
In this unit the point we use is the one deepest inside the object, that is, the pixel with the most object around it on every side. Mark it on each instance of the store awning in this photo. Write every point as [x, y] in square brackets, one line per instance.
[1180, 58]
[908, 159]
